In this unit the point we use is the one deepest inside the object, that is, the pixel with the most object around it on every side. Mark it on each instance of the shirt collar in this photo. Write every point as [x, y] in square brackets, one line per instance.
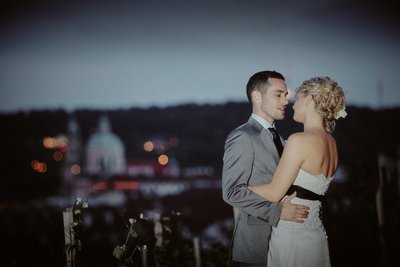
[263, 122]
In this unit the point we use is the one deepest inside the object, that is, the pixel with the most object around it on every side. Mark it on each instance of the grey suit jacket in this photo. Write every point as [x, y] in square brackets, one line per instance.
[250, 158]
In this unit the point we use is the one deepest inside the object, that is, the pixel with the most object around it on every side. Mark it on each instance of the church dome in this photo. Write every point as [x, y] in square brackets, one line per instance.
[105, 151]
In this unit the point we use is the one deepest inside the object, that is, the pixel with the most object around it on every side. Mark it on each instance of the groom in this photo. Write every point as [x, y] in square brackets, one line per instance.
[251, 157]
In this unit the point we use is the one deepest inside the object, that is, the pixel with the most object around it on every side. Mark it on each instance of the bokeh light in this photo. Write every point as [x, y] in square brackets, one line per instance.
[57, 156]
[49, 142]
[148, 146]
[75, 169]
[163, 159]
[38, 166]
[174, 141]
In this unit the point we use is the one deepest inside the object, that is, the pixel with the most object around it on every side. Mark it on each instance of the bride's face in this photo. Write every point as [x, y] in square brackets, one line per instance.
[299, 107]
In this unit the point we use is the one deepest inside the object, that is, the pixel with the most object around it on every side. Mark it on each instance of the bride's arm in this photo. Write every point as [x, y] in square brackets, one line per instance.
[286, 172]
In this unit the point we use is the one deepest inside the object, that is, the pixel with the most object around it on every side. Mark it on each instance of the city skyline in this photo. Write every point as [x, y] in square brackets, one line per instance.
[103, 55]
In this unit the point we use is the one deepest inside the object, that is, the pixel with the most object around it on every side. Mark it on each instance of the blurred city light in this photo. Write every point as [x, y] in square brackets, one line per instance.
[49, 142]
[174, 141]
[126, 185]
[57, 156]
[38, 166]
[148, 146]
[59, 142]
[75, 169]
[163, 159]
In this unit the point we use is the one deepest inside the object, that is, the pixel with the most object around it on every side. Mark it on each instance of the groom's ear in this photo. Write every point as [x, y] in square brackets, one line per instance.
[256, 96]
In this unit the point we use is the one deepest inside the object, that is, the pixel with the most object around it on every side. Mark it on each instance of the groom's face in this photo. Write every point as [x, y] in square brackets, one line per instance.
[274, 100]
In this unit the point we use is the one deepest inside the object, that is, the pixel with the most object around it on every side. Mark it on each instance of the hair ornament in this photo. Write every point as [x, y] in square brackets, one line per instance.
[341, 113]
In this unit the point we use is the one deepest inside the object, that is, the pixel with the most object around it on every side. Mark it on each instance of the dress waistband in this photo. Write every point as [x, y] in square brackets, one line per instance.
[304, 193]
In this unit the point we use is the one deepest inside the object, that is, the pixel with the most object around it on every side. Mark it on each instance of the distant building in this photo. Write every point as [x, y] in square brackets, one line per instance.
[105, 152]
[73, 155]
[198, 171]
[141, 168]
[105, 167]
[153, 169]
[388, 191]
[388, 202]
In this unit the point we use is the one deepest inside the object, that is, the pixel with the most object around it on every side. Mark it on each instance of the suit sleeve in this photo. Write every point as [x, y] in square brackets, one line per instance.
[236, 173]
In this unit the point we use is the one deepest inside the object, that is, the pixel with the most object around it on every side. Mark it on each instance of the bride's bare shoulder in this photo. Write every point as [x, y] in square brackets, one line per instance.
[299, 136]
[300, 139]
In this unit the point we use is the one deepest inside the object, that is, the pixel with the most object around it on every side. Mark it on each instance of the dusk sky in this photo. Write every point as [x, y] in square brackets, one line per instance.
[122, 54]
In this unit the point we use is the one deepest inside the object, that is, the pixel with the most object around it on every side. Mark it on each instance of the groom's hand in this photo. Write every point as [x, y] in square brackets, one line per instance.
[293, 212]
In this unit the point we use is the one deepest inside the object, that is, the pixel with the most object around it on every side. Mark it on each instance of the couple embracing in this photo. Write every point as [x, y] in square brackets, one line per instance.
[275, 191]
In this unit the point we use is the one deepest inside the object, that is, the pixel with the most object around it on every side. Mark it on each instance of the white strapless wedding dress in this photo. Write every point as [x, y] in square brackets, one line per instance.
[302, 244]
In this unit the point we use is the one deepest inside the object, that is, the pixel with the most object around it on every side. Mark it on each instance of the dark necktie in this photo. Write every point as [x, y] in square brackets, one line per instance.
[277, 140]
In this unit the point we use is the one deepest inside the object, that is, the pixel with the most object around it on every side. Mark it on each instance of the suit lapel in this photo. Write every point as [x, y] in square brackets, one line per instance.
[265, 138]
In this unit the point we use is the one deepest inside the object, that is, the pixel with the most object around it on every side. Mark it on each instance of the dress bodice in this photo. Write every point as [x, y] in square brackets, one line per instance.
[302, 244]
[318, 184]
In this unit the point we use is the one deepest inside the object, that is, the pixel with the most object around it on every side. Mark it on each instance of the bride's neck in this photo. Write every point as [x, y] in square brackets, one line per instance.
[313, 122]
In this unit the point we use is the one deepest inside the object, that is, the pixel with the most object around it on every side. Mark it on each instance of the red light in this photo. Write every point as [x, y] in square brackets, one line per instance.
[125, 185]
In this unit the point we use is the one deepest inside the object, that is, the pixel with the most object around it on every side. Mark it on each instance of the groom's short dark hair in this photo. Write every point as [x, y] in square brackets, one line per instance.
[260, 79]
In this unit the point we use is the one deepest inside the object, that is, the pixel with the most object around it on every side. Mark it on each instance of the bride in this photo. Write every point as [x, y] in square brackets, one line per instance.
[307, 166]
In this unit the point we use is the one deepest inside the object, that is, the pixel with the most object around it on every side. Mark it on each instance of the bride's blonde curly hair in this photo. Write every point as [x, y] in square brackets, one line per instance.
[328, 97]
